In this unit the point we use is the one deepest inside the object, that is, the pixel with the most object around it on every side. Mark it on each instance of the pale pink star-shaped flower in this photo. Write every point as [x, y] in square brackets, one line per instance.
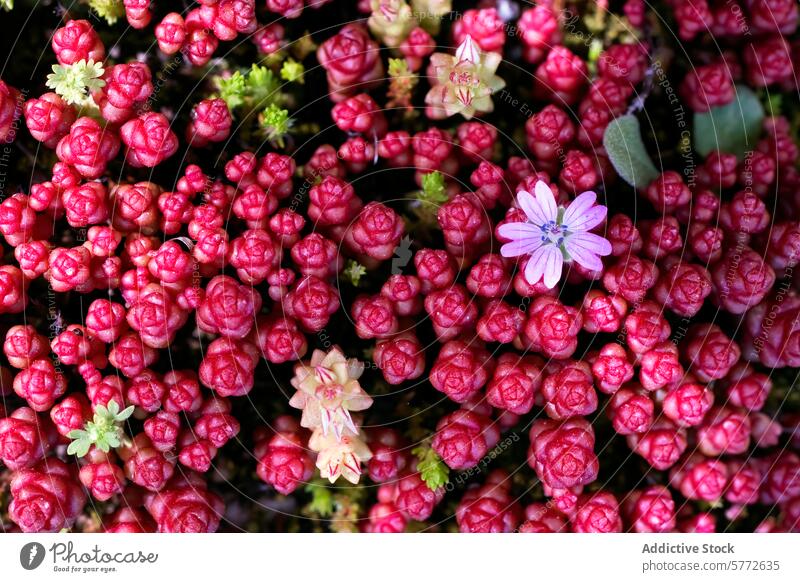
[463, 83]
[555, 234]
[328, 390]
[339, 457]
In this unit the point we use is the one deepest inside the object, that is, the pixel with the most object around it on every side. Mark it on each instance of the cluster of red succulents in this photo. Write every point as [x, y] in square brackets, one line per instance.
[196, 297]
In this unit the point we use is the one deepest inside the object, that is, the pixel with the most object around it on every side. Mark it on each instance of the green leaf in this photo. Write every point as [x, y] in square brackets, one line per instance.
[773, 102]
[276, 123]
[73, 446]
[321, 499]
[79, 447]
[292, 71]
[433, 189]
[7, 4]
[111, 10]
[112, 408]
[353, 271]
[232, 89]
[262, 85]
[399, 68]
[431, 468]
[595, 50]
[103, 430]
[76, 82]
[276, 118]
[733, 128]
[101, 412]
[623, 143]
[125, 414]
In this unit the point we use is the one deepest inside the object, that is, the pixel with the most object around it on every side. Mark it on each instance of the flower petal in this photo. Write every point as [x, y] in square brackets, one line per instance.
[468, 51]
[519, 230]
[590, 242]
[520, 247]
[545, 263]
[553, 267]
[534, 269]
[546, 199]
[589, 219]
[578, 207]
[530, 206]
[583, 257]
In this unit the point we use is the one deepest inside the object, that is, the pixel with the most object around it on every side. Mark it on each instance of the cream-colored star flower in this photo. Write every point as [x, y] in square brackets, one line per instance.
[391, 21]
[327, 391]
[339, 457]
[463, 83]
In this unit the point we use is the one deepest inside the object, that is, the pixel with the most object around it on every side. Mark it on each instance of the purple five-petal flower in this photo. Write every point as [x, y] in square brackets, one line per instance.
[555, 234]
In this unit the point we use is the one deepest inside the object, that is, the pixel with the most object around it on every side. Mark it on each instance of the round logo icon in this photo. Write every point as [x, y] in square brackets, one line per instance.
[31, 555]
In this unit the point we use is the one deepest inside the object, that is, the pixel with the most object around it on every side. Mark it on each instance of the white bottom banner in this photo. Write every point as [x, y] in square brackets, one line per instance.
[290, 557]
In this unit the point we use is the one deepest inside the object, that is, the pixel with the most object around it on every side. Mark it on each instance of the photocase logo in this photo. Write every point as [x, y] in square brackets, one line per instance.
[31, 555]
[402, 255]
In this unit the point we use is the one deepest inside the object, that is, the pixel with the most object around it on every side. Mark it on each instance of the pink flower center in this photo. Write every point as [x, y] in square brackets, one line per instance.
[463, 78]
[330, 394]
